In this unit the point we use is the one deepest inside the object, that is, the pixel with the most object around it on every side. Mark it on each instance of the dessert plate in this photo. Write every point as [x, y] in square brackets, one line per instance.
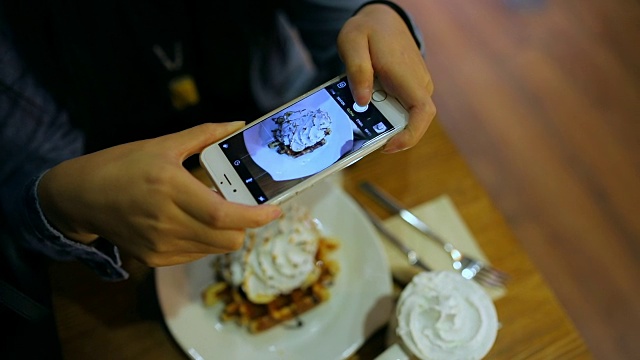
[360, 303]
[284, 167]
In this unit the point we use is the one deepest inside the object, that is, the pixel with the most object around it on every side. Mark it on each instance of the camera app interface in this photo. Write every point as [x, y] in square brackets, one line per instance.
[303, 139]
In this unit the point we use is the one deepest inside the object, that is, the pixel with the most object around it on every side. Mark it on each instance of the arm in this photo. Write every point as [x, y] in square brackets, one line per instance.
[35, 135]
[136, 197]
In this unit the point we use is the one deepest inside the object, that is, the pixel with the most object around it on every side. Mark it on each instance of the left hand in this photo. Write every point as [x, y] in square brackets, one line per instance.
[139, 197]
[377, 41]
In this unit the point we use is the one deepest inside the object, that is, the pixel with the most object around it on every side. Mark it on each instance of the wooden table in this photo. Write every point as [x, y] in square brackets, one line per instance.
[542, 99]
[99, 320]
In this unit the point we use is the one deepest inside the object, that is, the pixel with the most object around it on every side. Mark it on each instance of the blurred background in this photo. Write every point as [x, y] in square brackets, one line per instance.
[543, 100]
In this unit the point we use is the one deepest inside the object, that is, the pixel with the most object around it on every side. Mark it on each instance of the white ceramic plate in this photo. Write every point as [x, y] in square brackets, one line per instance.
[284, 167]
[360, 303]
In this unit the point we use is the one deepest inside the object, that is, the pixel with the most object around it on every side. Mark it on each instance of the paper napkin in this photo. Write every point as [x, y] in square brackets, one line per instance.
[443, 218]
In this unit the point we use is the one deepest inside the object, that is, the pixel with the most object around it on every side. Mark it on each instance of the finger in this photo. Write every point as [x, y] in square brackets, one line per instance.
[430, 86]
[182, 236]
[203, 240]
[353, 46]
[223, 214]
[193, 236]
[193, 140]
[157, 260]
[420, 117]
[212, 210]
[181, 258]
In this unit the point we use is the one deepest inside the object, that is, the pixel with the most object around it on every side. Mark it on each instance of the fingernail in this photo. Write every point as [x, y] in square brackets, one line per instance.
[237, 124]
[363, 97]
[392, 149]
[276, 212]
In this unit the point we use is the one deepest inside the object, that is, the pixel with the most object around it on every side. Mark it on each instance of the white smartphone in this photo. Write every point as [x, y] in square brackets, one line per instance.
[286, 151]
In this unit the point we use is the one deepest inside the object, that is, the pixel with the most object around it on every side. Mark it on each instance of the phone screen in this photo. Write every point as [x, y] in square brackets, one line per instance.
[303, 139]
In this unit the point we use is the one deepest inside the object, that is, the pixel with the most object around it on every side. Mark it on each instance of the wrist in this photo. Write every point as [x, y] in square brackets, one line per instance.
[59, 206]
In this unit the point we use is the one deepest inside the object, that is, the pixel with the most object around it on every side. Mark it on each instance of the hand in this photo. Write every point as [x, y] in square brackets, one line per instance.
[140, 198]
[377, 40]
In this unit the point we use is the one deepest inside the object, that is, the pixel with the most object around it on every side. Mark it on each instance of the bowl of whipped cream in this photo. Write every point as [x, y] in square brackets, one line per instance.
[441, 315]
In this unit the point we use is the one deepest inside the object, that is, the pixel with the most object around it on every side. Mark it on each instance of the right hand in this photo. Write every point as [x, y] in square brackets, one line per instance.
[139, 197]
[377, 41]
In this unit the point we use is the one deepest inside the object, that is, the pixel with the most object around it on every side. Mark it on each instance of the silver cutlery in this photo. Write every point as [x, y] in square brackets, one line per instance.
[469, 268]
[412, 256]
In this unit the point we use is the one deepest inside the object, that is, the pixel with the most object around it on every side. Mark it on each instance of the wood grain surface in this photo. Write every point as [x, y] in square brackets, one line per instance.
[542, 98]
[533, 324]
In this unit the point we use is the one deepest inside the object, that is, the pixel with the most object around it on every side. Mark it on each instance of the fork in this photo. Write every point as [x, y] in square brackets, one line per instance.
[470, 268]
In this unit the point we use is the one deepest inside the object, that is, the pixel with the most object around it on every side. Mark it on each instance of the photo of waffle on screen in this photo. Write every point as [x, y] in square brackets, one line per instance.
[284, 270]
[300, 132]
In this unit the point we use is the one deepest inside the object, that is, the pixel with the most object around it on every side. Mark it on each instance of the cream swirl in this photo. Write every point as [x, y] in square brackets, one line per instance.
[277, 258]
[441, 315]
[302, 129]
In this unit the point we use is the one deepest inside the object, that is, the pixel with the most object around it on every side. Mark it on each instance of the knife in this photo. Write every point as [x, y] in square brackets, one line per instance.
[412, 256]
[394, 207]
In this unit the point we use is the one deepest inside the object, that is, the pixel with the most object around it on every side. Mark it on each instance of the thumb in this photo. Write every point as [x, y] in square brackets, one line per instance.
[192, 141]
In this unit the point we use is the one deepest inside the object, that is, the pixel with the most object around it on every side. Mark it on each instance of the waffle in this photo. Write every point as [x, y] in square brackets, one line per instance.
[257, 318]
[284, 149]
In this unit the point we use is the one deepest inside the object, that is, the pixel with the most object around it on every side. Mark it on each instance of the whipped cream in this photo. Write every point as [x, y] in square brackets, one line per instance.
[301, 129]
[441, 315]
[277, 258]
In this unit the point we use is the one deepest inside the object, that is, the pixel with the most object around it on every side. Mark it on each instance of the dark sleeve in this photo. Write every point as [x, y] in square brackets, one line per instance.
[302, 52]
[35, 135]
[415, 31]
[320, 21]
